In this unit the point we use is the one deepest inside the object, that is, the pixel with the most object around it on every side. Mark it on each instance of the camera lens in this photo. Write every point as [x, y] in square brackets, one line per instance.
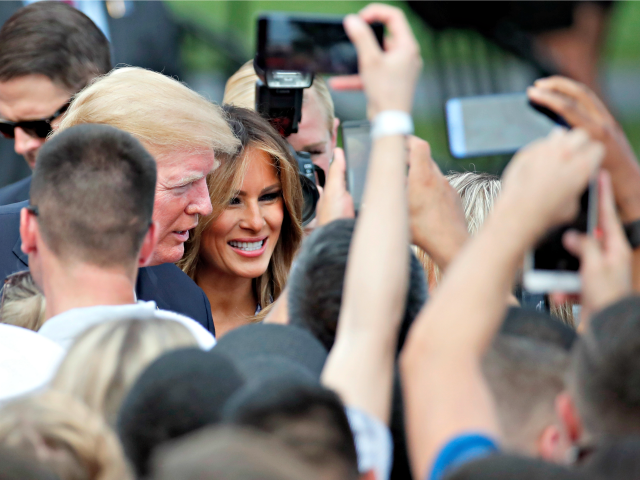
[310, 195]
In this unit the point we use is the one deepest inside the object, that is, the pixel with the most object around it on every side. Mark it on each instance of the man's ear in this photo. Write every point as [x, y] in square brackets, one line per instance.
[568, 415]
[29, 231]
[148, 245]
[334, 133]
[553, 444]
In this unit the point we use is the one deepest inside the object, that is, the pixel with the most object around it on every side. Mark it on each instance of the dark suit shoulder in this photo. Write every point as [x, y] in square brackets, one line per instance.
[173, 290]
[10, 261]
[16, 192]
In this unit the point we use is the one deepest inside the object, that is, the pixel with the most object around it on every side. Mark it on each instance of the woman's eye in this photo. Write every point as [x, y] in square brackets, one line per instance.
[269, 197]
[234, 201]
[316, 152]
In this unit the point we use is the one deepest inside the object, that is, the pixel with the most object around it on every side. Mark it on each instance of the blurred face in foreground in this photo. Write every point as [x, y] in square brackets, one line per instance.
[241, 240]
[182, 197]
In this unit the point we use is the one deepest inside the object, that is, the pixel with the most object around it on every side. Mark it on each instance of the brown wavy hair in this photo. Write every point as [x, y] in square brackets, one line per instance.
[254, 131]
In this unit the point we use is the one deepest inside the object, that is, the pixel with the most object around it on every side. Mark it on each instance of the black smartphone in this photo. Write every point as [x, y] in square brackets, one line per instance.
[550, 267]
[496, 124]
[307, 43]
[356, 140]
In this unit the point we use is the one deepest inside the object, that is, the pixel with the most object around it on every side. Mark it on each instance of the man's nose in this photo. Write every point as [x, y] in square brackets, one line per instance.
[25, 143]
[200, 202]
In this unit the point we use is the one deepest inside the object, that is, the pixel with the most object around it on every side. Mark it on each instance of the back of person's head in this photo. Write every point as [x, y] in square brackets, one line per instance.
[240, 90]
[14, 466]
[178, 393]
[165, 115]
[308, 418]
[478, 192]
[317, 278]
[105, 361]
[63, 435]
[525, 377]
[617, 458]
[22, 304]
[225, 453]
[511, 467]
[94, 189]
[539, 327]
[55, 40]
[604, 376]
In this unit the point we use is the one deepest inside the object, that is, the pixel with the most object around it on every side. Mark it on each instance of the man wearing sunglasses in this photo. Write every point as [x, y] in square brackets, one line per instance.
[49, 51]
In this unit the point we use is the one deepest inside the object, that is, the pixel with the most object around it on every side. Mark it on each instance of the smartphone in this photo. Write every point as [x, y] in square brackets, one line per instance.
[307, 43]
[356, 140]
[550, 267]
[496, 124]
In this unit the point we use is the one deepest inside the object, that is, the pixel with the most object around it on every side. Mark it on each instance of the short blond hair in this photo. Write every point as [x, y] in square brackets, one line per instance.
[240, 91]
[105, 361]
[63, 435]
[23, 304]
[165, 115]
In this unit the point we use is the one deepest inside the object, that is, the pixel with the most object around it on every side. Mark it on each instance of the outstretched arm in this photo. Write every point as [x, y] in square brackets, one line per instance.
[445, 392]
[360, 366]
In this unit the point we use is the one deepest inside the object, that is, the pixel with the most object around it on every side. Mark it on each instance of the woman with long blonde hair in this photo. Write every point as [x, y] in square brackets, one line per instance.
[241, 254]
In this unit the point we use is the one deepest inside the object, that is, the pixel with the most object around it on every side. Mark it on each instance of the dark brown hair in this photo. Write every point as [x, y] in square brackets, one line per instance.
[55, 40]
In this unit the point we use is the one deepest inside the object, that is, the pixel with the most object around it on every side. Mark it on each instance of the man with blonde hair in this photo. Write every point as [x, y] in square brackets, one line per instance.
[183, 131]
[318, 129]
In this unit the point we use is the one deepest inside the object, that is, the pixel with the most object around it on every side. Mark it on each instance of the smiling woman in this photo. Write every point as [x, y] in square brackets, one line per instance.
[241, 254]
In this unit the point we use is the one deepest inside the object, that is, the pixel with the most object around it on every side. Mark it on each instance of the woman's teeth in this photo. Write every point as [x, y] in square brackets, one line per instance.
[247, 246]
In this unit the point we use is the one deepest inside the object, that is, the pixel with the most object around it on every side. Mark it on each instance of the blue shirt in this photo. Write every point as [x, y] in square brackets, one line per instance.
[94, 10]
[462, 449]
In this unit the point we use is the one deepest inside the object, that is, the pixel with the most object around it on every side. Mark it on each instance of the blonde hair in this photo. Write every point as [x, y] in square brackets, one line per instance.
[240, 90]
[253, 131]
[165, 115]
[63, 435]
[105, 361]
[23, 304]
[478, 192]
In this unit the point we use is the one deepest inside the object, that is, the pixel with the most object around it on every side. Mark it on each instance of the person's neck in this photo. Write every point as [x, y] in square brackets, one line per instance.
[84, 285]
[231, 297]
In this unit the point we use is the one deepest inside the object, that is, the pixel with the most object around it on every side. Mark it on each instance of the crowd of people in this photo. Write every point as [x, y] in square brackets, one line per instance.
[165, 315]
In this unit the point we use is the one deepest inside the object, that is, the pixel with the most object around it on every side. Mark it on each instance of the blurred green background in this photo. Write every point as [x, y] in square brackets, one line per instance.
[224, 34]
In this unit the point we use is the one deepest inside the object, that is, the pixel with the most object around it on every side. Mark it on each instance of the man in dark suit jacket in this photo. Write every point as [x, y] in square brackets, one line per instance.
[132, 31]
[164, 284]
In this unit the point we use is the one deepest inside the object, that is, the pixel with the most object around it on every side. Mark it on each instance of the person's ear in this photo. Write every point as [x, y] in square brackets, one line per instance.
[148, 245]
[552, 444]
[334, 133]
[568, 415]
[29, 231]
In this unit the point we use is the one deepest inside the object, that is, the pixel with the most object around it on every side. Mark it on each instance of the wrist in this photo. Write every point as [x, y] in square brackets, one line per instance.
[391, 122]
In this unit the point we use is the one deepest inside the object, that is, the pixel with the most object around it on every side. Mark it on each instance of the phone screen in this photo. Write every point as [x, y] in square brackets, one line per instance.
[356, 138]
[550, 254]
[493, 124]
[307, 44]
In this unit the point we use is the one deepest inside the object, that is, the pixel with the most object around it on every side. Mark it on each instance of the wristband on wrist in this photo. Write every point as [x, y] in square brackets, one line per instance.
[632, 231]
[391, 122]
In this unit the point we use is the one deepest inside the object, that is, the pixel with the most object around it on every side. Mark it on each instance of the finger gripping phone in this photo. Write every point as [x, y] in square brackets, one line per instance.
[307, 43]
[549, 267]
[496, 124]
[356, 140]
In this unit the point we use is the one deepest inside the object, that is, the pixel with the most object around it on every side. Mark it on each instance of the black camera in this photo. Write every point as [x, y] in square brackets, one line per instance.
[310, 176]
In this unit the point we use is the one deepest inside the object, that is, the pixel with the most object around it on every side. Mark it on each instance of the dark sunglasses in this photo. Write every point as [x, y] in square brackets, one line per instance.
[33, 128]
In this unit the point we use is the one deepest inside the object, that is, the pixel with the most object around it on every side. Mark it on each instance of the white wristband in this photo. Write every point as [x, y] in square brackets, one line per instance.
[391, 122]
